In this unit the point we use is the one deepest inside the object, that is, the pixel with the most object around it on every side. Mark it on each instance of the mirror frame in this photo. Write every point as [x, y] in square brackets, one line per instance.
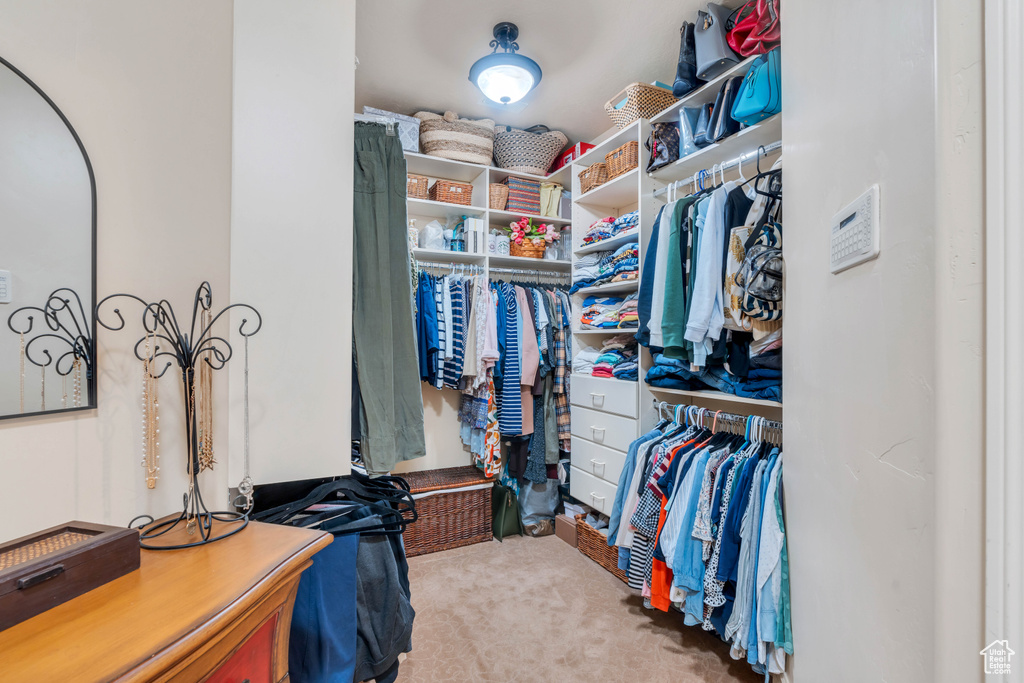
[93, 392]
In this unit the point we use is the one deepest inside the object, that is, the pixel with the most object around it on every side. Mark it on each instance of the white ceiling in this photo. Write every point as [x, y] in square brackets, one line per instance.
[415, 55]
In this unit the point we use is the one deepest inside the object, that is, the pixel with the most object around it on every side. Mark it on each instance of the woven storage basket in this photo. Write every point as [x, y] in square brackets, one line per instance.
[592, 176]
[643, 101]
[451, 192]
[527, 249]
[523, 195]
[622, 159]
[450, 517]
[527, 151]
[595, 546]
[417, 186]
[450, 137]
[497, 195]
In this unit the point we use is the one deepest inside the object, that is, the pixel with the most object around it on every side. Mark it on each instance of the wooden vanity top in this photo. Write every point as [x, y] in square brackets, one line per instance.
[138, 627]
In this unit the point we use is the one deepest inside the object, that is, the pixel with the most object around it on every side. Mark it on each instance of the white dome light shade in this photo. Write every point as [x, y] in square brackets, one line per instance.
[505, 83]
[505, 77]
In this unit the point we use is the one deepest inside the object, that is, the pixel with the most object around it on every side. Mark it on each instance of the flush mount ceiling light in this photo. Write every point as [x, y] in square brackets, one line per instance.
[505, 77]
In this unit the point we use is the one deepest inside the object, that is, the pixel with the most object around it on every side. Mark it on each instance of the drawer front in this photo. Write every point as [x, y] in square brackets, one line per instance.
[609, 395]
[605, 429]
[253, 661]
[591, 490]
[601, 461]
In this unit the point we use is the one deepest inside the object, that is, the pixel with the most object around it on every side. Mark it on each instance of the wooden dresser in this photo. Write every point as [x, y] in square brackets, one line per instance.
[220, 613]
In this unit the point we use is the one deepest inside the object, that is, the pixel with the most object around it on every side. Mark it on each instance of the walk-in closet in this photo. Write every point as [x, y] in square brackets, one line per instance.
[397, 341]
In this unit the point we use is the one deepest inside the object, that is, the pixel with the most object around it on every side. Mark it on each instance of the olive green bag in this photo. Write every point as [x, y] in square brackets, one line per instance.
[505, 512]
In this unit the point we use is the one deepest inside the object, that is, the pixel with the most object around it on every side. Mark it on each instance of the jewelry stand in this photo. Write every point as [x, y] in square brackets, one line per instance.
[69, 326]
[160, 323]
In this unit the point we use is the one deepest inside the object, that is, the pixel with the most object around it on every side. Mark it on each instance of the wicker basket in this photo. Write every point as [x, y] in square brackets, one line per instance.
[594, 175]
[527, 151]
[451, 192]
[417, 186]
[497, 195]
[527, 249]
[452, 517]
[595, 546]
[622, 159]
[643, 101]
[450, 137]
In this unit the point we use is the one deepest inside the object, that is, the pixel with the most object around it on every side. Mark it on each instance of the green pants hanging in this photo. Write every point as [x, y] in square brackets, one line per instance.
[391, 413]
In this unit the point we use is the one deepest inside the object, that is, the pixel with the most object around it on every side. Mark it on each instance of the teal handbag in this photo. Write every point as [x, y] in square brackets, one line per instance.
[760, 96]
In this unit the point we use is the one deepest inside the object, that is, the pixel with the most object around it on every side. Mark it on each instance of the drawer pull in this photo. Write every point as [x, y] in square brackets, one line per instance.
[597, 463]
[39, 577]
[596, 429]
[594, 398]
[594, 496]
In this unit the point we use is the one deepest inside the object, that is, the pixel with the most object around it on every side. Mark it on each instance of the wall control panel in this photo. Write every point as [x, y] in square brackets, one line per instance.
[5, 286]
[855, 232]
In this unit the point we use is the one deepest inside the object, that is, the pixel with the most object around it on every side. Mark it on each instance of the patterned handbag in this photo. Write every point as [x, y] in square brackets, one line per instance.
[663, 144]
[761, 274]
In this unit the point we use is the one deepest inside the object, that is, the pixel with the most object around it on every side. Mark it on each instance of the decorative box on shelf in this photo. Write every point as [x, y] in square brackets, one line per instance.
[523, 195]
[572, 154]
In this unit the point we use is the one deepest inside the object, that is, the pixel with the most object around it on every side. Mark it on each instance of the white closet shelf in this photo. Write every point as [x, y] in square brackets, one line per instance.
[705, 93]
[528, 263]
[464, 171]
[611, 331]
[612, 142]
[610, 243]
[747, 140]
[506, 217]
[432, 209]
[616, 193]
[610, 288]
[716, 396]
[627, 384]
[442, 256]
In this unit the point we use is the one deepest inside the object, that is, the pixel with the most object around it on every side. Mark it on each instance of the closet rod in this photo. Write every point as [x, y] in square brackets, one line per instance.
[718, 415]
[521, 271]
[454, 267]
[725, 166]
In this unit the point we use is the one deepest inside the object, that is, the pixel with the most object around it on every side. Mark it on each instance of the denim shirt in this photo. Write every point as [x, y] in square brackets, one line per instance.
[688, 561]
[624, 482]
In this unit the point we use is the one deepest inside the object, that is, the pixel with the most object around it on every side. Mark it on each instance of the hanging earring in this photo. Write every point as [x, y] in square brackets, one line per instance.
[77, 386]
[21, 368]
[42, 388]
[64, 391]
[150, 416]
[245, 487]
[204, 405]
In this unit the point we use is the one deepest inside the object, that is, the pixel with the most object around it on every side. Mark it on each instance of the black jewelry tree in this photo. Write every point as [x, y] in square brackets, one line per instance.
[67, 327]
[188, 350]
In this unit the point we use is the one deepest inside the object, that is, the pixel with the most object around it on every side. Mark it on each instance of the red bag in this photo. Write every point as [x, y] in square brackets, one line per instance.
[754, 28]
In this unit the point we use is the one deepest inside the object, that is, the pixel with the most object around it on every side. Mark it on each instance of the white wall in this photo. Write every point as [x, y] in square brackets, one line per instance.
[882, 488]
[148, 88]
[291, 233]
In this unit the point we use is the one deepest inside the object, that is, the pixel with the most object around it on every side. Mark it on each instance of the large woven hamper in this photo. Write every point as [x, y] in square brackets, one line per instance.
[450, 137]
[454, 508]
[594, 545]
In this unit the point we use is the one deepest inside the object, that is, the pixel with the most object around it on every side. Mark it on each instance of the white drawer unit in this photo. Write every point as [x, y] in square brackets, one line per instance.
[609, 395]
[605, 429]
[601, 461]
[591, 490]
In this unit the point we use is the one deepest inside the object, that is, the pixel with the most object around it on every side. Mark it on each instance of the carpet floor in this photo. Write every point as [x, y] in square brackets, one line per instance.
[537, 610]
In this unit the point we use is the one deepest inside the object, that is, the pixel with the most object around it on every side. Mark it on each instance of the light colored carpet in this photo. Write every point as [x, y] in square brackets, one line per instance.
[537, 610]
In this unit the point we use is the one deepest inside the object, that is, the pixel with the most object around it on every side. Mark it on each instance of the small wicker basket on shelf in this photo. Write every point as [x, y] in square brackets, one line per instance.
[451, 192]
[643, 101]
[527, 249]
[592, 176]
[622, 159]
[417, 186]
[497, 194]
[594, 545]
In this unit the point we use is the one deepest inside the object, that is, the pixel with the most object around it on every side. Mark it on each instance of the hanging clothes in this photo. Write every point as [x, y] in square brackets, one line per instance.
[391, 408]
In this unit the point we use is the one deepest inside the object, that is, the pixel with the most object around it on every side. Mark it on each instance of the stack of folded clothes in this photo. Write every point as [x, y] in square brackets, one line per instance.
[606, 312]
[610, 226]
[583, 363]
[759, 379]
[606, 266]
[617, 358]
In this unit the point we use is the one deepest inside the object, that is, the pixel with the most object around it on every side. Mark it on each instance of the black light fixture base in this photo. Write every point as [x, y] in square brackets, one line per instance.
[505, 35]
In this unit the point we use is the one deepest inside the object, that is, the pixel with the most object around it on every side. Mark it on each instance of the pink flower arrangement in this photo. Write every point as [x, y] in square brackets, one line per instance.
[539, 234]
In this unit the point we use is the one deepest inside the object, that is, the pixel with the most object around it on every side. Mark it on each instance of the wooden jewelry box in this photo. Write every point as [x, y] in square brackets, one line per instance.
[47, 568]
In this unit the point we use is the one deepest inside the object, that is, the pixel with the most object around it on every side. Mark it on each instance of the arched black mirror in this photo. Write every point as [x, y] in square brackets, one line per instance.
[47, 255]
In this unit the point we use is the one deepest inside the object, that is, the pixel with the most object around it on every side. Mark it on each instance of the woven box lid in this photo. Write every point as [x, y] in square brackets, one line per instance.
[446, 478]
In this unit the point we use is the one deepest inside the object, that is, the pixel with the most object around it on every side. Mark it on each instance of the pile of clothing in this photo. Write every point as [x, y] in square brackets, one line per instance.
[617, 358]
[616, 265]
[607, 312]
[610, 226]
[710, 296]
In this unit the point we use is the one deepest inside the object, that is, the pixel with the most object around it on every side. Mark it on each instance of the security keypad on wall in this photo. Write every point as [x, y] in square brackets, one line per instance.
[855, 232]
